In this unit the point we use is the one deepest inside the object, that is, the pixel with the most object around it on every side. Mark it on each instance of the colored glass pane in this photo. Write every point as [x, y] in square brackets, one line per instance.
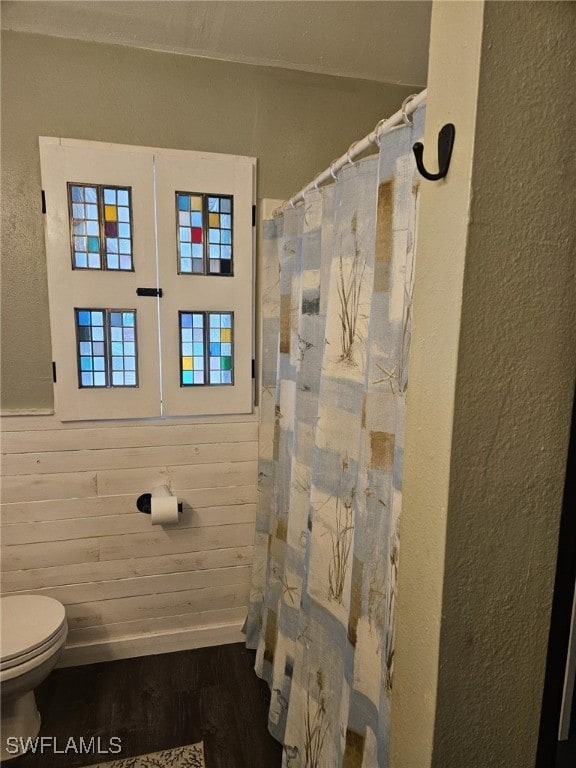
[204, 222]
[220, 358]
[94, 210]
[106, 347]
[192, 357]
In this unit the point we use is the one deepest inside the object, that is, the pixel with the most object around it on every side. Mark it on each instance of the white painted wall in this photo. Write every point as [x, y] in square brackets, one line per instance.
[71, 530]
[492, 376]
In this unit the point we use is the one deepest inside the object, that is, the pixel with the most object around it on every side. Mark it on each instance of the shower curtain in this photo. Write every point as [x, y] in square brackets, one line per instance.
[336, 277]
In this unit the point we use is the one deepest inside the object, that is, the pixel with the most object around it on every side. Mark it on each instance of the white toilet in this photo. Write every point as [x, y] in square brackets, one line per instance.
[33, 633]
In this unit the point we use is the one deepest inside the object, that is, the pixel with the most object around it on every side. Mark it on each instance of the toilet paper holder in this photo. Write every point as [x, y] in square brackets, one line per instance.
[144, 504]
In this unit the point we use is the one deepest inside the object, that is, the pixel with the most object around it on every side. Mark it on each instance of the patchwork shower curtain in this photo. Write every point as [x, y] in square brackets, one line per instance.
[337, 278]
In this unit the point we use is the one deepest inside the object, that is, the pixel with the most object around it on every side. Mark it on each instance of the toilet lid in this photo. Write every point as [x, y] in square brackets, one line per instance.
[28, 621]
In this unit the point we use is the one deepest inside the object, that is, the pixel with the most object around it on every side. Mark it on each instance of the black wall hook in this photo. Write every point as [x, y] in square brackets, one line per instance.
[445, 144]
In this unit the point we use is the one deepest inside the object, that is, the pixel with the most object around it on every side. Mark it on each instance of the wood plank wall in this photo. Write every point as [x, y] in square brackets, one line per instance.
[70, 529]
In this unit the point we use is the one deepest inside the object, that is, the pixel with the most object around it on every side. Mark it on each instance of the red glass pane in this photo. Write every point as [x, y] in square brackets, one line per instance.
[196, 234]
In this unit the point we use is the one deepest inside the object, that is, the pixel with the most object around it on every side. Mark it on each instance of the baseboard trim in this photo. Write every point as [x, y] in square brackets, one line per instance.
[151, 644]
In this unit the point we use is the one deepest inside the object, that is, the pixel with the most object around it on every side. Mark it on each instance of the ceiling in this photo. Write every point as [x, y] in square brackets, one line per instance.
[383, 40]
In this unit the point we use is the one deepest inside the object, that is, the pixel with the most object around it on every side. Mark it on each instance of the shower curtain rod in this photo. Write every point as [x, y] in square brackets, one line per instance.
[409, 106]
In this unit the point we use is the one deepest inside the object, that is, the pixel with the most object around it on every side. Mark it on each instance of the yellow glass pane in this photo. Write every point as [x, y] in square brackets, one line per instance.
[225, 334]
[196, 203]
[214, 219]
[187, 364]
[110, 213]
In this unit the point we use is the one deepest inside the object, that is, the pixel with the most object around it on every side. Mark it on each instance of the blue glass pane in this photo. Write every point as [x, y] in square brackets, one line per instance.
[220, 359]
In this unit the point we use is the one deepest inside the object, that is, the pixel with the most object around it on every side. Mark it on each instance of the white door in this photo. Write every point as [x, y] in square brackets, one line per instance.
[101, 247]
[206, 252]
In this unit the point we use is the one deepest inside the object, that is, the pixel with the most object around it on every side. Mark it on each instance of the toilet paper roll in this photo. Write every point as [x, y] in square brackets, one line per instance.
[164, 506]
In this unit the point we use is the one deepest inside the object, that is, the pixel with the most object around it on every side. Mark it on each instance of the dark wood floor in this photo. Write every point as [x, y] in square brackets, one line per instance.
[157, 702]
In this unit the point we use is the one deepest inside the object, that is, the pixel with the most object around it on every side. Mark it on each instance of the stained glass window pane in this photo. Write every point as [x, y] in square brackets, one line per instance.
[204, 233]
[117, 228]
[91, 348]
[107, 348]
[220, 349]
[85, 227]
[192, 349]
[100, 218]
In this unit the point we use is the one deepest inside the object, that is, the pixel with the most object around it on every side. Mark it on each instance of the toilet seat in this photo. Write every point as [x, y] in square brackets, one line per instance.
[32, 626]
[34, 660]
[35, 654]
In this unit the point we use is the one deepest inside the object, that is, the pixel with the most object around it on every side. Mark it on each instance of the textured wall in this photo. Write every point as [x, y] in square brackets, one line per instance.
[294, 123]
[483, 527]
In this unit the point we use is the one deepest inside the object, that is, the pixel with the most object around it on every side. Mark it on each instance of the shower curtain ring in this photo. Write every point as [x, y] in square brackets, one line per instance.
[350, 148]
[332, 171]
[315, 182]
[379, 135]
[405, 119]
